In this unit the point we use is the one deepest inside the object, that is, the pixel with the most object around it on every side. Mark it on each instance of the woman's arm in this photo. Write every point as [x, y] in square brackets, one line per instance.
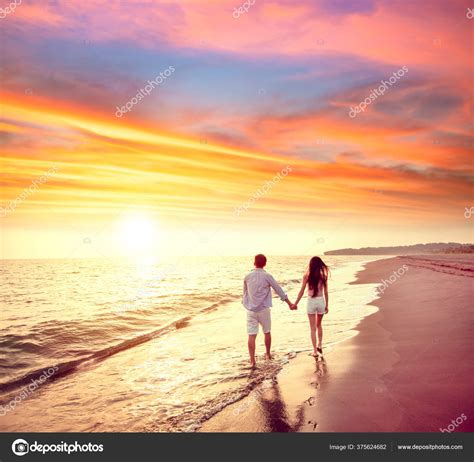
[303, 287]
[326, 295]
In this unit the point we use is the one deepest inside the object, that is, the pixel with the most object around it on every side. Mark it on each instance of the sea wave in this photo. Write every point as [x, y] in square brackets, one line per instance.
[69, 367]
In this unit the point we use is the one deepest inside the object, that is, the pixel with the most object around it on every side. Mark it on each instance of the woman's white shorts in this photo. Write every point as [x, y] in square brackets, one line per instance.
[316, 305]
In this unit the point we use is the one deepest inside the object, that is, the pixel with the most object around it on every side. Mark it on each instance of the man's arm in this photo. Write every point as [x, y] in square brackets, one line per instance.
[245, 293]
[280, 292]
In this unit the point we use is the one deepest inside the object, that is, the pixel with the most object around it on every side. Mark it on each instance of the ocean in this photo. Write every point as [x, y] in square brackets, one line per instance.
[98, 345]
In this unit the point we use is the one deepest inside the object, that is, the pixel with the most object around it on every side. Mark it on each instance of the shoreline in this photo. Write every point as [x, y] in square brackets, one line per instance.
[397, 374]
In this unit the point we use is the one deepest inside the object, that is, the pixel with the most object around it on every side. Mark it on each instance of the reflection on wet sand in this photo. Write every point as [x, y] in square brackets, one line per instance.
[275, 412]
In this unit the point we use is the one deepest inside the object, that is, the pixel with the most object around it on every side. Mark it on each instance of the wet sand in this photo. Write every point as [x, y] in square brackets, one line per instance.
[408, 369]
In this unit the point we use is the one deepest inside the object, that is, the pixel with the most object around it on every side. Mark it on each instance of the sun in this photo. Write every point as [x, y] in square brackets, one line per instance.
[139, 233]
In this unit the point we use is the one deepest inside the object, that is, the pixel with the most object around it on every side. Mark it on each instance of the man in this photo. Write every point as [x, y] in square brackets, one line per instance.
[258, 300]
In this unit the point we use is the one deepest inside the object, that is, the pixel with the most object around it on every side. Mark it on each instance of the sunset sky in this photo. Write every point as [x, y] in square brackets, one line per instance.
[249, 96]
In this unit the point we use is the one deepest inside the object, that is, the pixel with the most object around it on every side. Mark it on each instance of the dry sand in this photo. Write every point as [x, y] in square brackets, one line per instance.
[409, 368]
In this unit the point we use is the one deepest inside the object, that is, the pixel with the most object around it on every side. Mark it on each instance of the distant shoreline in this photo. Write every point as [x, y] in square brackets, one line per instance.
[416, 249]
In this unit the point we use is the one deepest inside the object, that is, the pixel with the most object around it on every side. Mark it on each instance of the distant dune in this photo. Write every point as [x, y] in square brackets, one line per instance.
[437, 247]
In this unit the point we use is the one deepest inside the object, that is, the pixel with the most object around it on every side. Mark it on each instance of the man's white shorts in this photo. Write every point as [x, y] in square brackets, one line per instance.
[254, 318]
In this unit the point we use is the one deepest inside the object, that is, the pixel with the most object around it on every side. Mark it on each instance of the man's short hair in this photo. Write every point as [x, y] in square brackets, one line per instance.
[260, 260]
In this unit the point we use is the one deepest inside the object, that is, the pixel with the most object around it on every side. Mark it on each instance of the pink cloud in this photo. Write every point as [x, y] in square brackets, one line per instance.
[418, 33]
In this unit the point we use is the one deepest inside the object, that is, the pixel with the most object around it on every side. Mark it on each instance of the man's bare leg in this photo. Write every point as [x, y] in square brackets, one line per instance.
[268, 345]
[251, 344]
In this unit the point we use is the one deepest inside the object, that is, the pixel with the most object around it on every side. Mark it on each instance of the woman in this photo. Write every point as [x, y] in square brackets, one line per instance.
[316, 278]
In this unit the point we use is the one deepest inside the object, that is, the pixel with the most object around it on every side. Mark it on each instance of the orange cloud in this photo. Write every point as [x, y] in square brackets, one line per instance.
[105, 164]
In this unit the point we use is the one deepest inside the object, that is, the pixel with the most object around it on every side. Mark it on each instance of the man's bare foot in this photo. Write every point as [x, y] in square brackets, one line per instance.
[314, 353]
[268, 356]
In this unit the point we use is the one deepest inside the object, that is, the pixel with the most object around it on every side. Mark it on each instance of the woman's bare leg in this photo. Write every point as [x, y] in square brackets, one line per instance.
[320, 330]
[312, 327]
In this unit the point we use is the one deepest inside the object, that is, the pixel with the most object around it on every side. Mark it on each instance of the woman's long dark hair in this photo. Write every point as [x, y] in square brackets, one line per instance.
[318, 274]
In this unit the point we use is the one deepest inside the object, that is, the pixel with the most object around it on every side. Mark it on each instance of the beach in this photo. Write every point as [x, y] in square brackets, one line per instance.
[408, 369]
[101, 345]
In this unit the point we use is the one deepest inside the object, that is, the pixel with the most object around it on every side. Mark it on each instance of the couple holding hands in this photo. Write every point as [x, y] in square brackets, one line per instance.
[257, 299]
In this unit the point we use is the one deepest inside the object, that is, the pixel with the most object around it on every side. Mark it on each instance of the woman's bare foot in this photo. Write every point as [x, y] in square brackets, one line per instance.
[314, 353]
[268, 356]
[253, 365]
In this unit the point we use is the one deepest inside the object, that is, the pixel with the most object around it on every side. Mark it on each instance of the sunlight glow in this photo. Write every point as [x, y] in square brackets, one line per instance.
[139, 233]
